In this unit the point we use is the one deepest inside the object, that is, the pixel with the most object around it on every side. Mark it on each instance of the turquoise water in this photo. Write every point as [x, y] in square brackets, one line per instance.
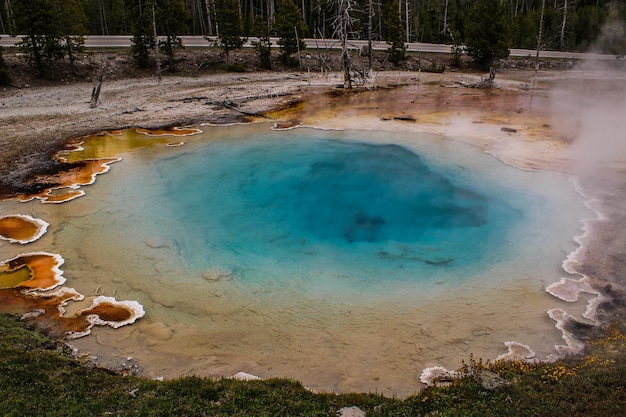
[307, 254]
[342, 213]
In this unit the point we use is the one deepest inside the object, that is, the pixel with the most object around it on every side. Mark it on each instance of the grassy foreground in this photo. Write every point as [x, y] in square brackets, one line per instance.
[38, 379]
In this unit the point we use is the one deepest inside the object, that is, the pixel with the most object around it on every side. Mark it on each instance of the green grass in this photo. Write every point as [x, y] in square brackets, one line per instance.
[38, 379]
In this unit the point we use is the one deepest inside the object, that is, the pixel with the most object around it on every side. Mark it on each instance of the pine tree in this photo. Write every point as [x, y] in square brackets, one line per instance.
[143, 34]
[53, 29]
[290, 28]
[230, 28]
[42, 44]
[395, 33]
[172, 22]
[263, 45]
[73, 22]
[487, 33]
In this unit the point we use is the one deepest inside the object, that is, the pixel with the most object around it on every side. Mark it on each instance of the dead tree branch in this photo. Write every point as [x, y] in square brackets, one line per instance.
[486, 83]
[233, 105]
[95, 92]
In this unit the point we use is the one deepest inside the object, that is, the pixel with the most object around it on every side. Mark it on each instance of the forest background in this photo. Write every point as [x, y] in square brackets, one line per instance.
[55, 29]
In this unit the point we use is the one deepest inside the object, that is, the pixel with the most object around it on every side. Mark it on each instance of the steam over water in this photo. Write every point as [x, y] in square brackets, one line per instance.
[348, 260]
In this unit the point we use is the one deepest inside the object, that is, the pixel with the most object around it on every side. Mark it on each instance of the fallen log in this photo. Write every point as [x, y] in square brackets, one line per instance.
[190, 99]
[229, 104]
[238, 100]
[405, 118]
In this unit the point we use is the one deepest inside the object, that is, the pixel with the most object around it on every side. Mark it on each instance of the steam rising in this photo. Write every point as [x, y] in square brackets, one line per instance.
[589, 106]
[594, 105]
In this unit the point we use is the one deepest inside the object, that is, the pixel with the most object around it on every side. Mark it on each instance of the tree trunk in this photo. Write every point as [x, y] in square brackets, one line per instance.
[37, 54]
[406, 20]
[344, 17]
[170, 51]
[156, 43]
[9, 13]
[271, 10]
[70, 54]
[103, 19]
[95, 93]
[543, 7]
[209, 20]
[380, 20]
[563, 24]
[445, 18]
[295, 29]
[370, 64]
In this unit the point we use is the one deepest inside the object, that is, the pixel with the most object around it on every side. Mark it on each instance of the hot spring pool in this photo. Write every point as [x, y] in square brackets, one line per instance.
[331, 215]
[349, 260]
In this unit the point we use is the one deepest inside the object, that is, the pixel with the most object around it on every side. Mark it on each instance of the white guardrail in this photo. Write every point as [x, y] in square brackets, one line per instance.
[121, 41]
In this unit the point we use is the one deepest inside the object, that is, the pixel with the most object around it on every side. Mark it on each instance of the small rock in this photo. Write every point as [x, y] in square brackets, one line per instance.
[244, 376]
[490, 380]
[509, 130]
[353, 411]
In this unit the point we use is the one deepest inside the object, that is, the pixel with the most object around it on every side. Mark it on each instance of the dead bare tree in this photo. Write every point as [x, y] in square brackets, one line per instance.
[342, 23]
[484, 83]
[95, 92]
[323, 57]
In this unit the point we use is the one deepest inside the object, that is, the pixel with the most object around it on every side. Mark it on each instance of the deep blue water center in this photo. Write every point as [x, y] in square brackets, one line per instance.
[278, 208]
[355, 192]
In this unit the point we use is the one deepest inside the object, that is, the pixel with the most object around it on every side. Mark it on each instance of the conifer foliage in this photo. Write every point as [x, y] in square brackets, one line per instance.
[487, 34]
[53, 29]
[395, 33]
[166, 18]
[230, 33]
[290, 28]
[143, 40]
[262, 45]
[172, 22]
